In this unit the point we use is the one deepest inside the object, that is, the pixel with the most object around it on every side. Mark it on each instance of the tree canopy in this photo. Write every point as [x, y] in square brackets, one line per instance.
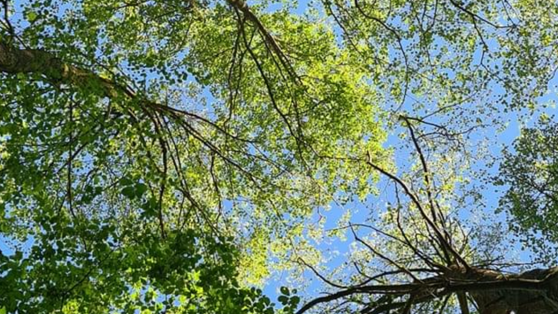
[175, 156]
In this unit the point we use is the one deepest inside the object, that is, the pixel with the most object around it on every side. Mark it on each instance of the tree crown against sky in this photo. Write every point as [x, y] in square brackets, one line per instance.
[169, 156]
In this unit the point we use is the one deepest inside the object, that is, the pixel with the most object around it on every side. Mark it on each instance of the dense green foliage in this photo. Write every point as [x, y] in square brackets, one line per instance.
[141, 142]
[531, 172]
[168, 156]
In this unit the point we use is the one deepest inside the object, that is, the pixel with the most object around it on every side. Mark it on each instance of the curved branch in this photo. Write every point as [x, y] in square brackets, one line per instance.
[437, 287]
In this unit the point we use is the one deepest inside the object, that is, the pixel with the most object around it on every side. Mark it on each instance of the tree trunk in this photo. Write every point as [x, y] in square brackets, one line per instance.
[518, 300]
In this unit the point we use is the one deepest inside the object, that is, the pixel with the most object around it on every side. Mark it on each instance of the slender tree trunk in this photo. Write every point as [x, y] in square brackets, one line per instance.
[25, 61]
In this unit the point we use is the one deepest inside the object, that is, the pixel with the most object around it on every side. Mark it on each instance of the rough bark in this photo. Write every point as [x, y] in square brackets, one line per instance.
[528, 300]
[531, 292]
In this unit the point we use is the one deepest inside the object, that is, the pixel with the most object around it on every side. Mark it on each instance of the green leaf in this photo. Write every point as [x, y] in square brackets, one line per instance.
[295, 300]
[31, 16]
[140, 189]
[283, 299]
[129, 192]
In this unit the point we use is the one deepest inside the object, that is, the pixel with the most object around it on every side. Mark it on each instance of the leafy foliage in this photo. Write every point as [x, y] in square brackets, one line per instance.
[165, 156]
[137, 137]
[530, 171]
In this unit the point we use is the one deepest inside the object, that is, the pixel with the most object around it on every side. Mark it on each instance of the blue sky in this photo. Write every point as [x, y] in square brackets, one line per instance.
[334, 214]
